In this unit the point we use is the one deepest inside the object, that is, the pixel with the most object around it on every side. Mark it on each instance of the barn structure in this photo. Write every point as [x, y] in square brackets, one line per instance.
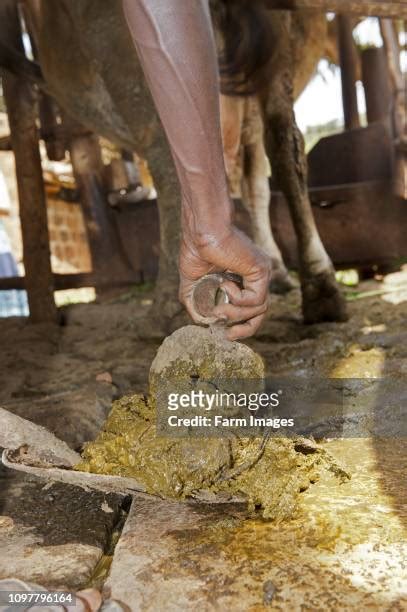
[361, 195]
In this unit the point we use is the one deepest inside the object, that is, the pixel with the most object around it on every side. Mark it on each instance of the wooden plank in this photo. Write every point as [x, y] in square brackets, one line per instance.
[71, 281]
[17, 432]
[352, 157]
[360, 224]
[392, 51]
[379, 8]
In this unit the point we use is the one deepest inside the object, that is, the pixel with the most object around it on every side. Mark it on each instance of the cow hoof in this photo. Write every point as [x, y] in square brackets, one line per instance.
[322, 300]
[281, 282]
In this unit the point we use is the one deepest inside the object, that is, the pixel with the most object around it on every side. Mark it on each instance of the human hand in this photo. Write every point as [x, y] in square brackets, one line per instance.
[235, 252]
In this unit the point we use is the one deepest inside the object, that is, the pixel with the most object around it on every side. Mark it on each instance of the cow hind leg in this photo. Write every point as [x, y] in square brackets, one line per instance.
[256, 199]
[322, 299]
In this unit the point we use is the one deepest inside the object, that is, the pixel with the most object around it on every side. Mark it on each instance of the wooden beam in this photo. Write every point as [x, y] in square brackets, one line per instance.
[378, 8]
[348, 60]
[396, 76]
[20, 98]
[62, 282]
[392, 51]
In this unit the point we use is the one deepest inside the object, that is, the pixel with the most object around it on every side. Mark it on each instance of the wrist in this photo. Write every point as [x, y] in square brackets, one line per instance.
[209, 236]
[204, 226]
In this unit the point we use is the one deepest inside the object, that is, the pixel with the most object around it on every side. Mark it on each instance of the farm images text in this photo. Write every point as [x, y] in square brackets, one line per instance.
[222, 401]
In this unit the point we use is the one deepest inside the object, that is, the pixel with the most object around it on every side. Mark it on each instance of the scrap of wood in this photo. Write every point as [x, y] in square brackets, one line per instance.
[34, 450]
[39, 443]
[104, 482]
[85, 480]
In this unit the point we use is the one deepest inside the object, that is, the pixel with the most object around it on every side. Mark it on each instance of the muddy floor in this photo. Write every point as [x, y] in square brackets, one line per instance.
[345, 549]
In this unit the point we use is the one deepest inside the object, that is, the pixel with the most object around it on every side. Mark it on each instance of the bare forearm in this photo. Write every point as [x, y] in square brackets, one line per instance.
[175, 44]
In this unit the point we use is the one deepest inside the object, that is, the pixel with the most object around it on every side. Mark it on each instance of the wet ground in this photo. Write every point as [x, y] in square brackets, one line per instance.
[345, 549]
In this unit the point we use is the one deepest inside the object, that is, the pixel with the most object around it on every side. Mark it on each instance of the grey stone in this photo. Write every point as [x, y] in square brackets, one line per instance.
[151, 572]
[53, 536]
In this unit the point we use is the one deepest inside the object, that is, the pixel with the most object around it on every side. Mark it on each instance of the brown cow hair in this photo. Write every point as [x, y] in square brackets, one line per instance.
[247, 47]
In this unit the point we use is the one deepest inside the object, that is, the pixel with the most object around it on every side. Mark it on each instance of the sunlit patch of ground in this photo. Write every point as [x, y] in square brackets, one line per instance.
[75, 296]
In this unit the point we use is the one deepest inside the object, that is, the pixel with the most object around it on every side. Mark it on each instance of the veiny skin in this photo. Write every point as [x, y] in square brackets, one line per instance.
[186, 94]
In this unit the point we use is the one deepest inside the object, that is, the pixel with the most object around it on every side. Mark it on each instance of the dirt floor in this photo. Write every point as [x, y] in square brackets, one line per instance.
[344, 550]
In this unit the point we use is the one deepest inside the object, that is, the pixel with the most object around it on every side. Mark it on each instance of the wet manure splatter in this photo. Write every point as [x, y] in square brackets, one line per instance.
[268, 473]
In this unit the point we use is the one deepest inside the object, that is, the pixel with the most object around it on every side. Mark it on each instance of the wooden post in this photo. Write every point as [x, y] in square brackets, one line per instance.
[109, 260]
[348, 59]
[396, 76]
[376, 83]
[392, 51]
[20, 98]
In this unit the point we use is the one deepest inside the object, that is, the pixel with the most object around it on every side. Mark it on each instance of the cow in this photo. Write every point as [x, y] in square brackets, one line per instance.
[89, 64]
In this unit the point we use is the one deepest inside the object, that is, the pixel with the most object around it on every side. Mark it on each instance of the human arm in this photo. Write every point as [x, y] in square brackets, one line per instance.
[174, 40]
